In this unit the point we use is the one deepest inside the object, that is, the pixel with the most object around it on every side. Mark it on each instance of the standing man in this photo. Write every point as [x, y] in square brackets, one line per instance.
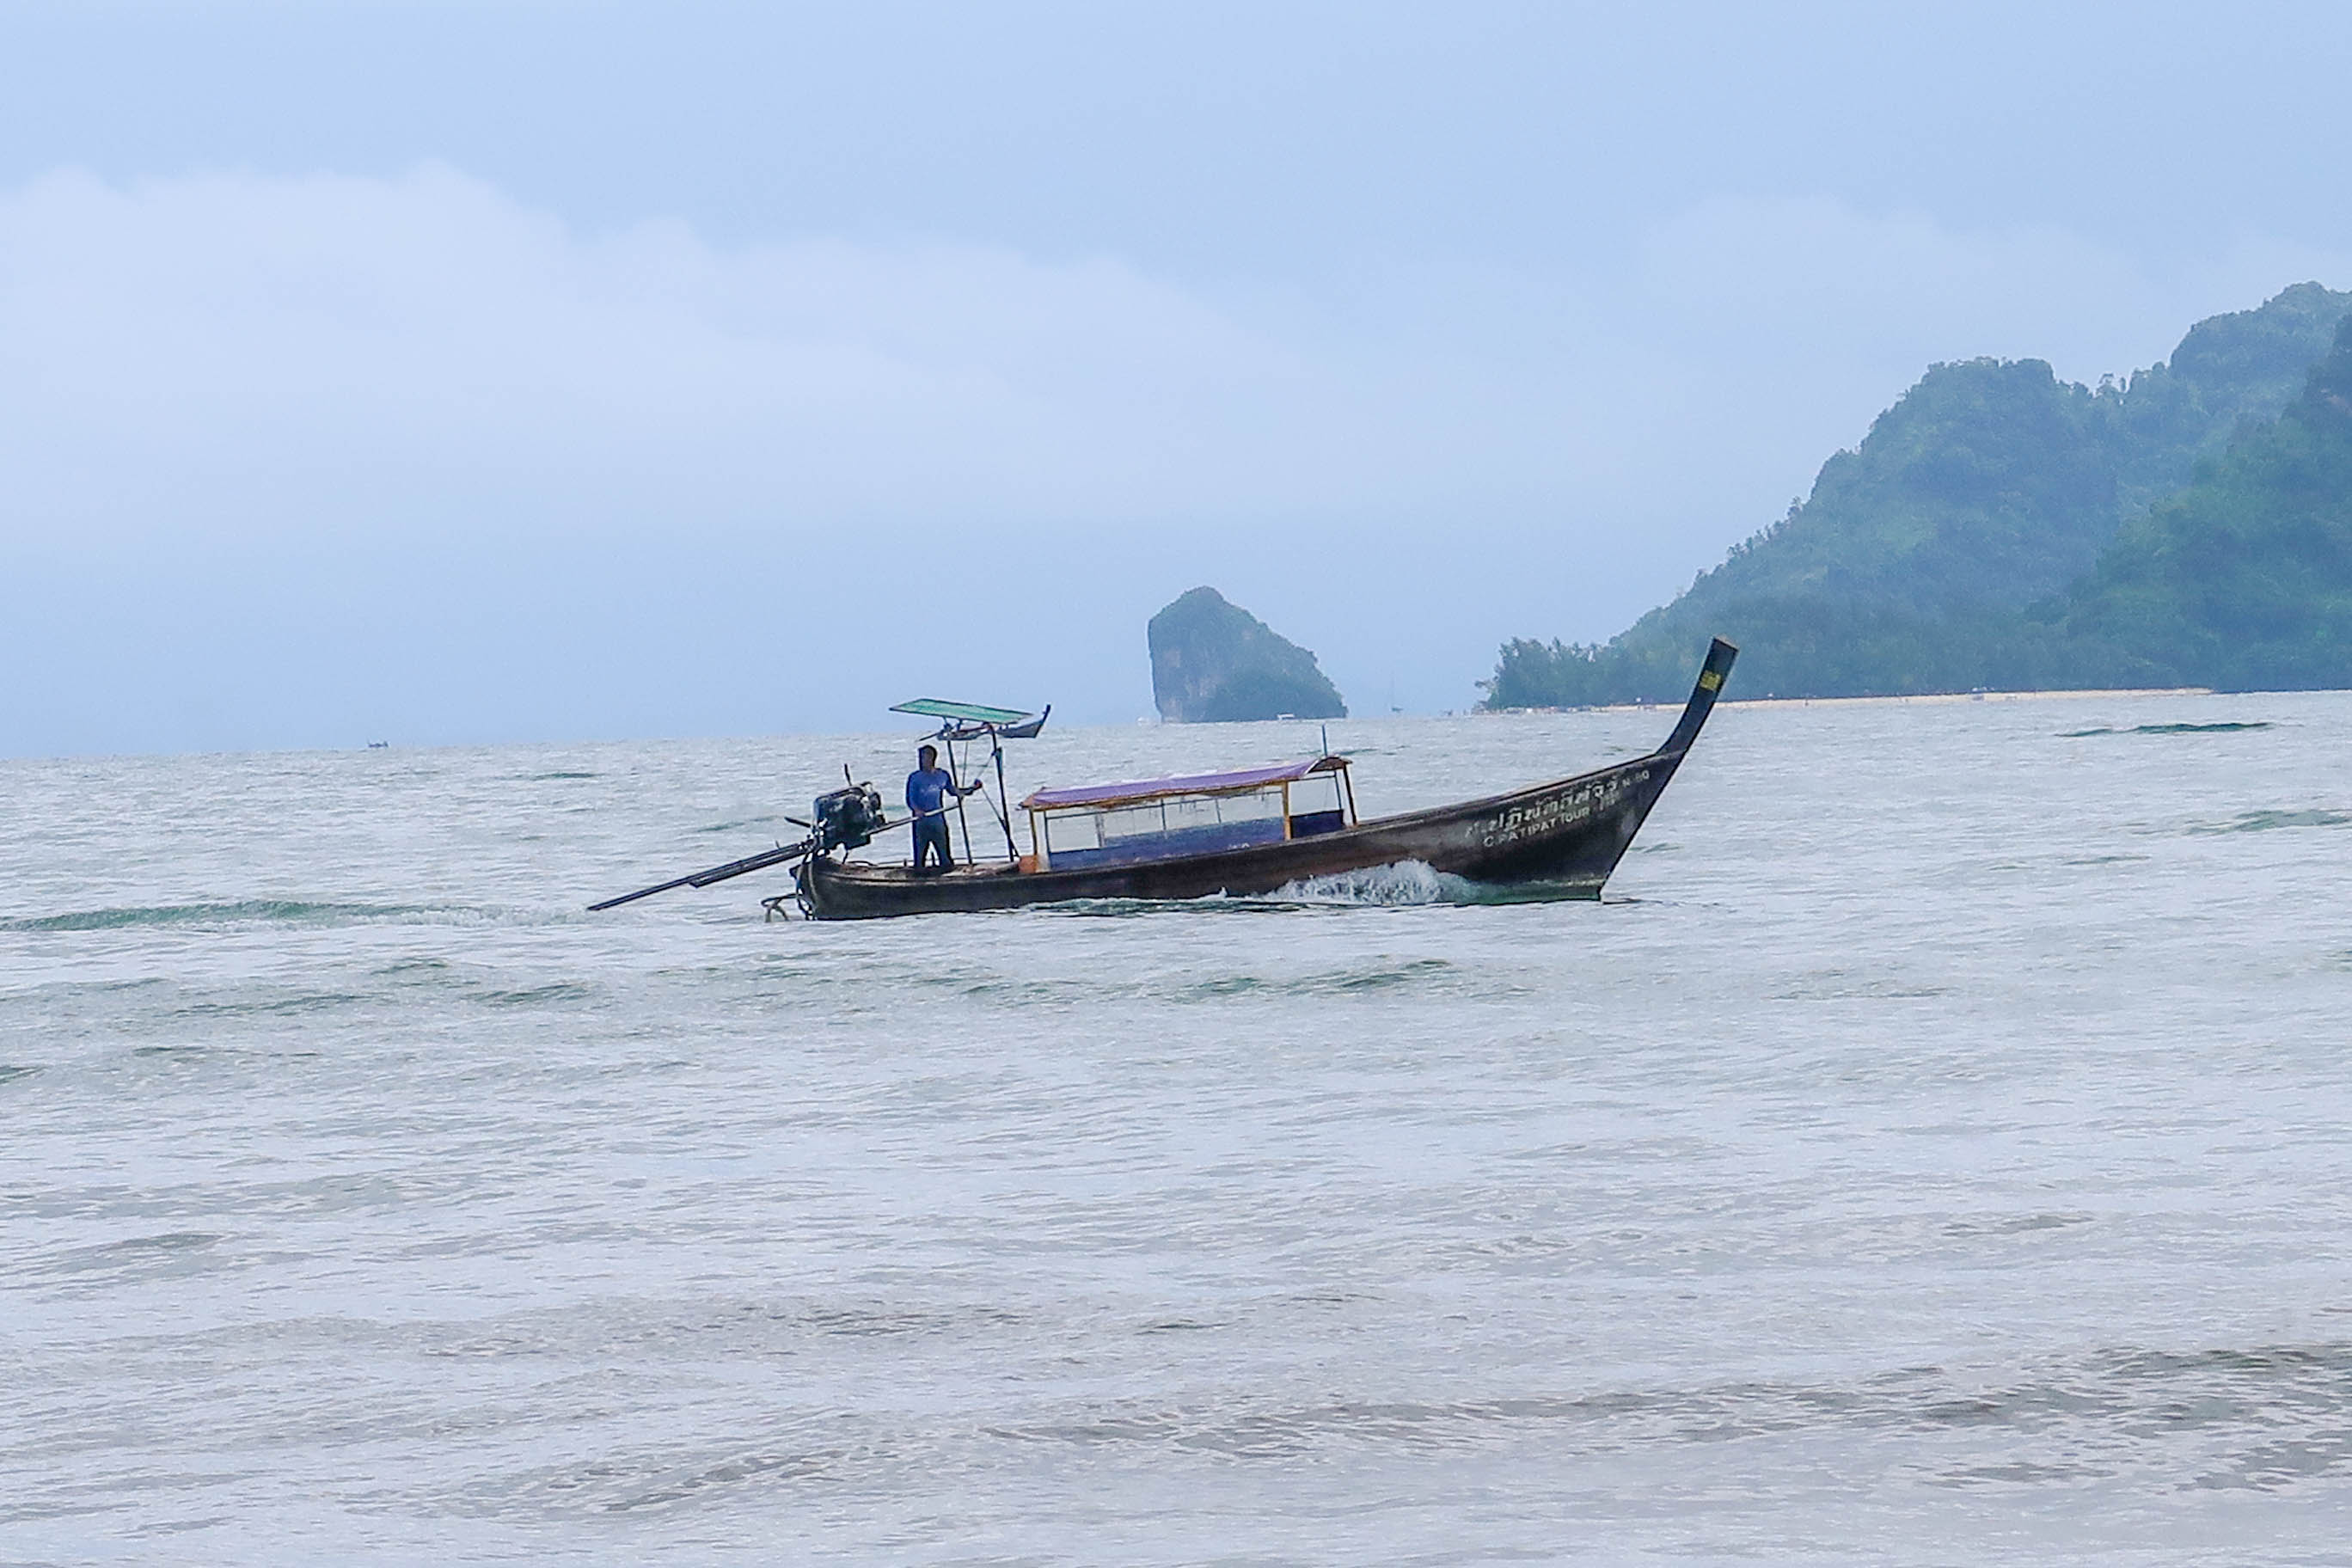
[927, 788]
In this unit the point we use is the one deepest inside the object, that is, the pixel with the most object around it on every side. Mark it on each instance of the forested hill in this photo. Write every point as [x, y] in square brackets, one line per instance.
[1990, 487]
[2243, 580]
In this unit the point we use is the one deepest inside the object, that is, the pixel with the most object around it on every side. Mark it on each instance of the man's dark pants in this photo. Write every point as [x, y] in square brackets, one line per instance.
[932, 833]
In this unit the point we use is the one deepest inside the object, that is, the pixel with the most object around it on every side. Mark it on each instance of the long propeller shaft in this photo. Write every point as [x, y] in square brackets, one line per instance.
[749, 863]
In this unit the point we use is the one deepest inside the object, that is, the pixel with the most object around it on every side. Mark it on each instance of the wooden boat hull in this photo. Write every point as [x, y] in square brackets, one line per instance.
[1567, 835]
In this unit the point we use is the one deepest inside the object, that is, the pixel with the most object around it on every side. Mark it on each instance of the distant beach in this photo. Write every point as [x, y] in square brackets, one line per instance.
[1926, 697]
[1973, 697]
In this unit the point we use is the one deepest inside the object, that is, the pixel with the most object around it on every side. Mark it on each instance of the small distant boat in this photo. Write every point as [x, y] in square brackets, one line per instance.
[1246, 831]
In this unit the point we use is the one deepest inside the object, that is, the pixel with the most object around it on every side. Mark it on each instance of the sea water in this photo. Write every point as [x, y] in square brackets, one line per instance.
[1933, 1150]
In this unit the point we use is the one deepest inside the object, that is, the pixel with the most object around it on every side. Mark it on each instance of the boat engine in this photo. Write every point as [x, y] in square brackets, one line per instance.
[848, 818]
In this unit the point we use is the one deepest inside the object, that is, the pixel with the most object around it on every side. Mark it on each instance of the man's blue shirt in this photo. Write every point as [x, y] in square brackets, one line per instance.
[927, 789]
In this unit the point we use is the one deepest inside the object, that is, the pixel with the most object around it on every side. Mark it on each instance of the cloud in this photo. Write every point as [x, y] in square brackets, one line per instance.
[218, 342]
[1906, 289]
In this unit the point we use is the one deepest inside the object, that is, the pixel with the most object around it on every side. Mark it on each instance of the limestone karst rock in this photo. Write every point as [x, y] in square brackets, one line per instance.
[1212, 661]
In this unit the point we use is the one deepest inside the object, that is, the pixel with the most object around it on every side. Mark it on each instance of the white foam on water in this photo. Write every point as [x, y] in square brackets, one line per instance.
[1405, 882]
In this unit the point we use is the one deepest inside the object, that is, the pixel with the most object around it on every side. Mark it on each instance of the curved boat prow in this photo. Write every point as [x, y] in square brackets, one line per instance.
[1711, 676]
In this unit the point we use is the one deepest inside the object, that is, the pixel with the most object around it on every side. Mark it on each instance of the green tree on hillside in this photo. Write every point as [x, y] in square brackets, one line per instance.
[2243, 580]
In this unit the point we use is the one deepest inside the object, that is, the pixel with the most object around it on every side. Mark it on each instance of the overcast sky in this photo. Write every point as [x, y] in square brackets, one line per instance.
[438, 373]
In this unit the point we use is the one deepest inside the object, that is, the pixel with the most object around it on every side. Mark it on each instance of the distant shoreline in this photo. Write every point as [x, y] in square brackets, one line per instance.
[1926, 697]
[1979, 696]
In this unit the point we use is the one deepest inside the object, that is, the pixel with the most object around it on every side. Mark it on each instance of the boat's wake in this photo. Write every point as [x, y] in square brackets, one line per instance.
[1407, 882]
[1414, 882]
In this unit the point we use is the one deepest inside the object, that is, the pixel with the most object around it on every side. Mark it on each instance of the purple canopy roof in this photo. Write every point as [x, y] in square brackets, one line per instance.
[1192, 783]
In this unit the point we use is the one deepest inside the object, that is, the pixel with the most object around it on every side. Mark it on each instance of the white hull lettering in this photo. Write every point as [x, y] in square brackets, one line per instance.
[1550, 814]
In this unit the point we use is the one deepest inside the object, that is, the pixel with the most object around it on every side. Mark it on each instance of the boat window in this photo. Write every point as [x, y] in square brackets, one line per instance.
[1258, 806]
[1071, 830]
[1181, 822]
[1147, 816]
[1189, 811]
[1316, 792]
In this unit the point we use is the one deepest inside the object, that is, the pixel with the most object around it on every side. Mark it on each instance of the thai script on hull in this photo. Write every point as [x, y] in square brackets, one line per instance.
[1555, 812]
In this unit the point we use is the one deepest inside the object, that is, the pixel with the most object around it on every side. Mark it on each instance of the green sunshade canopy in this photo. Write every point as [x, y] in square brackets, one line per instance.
[968, 712]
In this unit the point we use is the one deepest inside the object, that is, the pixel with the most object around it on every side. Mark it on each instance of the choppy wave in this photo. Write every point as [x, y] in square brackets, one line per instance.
[555, 992]
[2261, 1408]
[288, 912]
[1385, 972]
[2222, 728]
[2265, 821]
[275, 1006]
[2260, 1420]
[200, 914]
[1386, 976]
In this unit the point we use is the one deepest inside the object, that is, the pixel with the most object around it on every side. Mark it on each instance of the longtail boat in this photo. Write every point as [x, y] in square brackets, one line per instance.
[1243, 832]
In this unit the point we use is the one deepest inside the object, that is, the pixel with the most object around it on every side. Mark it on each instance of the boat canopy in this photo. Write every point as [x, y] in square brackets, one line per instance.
[1230, 783]
[967, 712]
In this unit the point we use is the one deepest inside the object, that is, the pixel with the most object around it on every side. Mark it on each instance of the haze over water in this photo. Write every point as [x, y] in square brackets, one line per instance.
[1931, 1152]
